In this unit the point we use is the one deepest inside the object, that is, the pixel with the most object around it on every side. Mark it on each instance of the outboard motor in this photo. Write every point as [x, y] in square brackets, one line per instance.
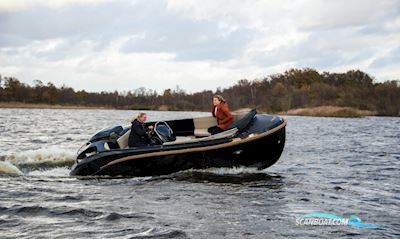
[164, 132]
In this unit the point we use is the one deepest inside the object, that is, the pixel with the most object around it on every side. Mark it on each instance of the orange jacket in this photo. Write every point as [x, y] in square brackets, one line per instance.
[223, 115]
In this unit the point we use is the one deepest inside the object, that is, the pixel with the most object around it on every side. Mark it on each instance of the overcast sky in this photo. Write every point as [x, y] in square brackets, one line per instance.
[122, 45]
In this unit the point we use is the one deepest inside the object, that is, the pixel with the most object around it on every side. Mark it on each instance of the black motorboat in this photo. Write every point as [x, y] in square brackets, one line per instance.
[254, 140]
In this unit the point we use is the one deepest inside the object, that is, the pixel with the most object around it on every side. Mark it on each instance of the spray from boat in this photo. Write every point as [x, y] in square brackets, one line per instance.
[38, 161]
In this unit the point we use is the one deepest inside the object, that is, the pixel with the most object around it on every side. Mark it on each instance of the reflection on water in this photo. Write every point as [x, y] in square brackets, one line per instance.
[331, 165]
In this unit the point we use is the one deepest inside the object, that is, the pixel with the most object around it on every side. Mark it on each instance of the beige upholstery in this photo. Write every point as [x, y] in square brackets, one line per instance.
[184, 140]
[106, 146]
[123, 140]
[180, 139]
[202, 124]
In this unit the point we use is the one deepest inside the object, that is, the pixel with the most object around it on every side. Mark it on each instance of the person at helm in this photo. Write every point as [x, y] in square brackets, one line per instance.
[139, 135]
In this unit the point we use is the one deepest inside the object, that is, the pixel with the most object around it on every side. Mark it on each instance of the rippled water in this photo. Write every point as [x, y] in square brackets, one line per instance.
[330, 165]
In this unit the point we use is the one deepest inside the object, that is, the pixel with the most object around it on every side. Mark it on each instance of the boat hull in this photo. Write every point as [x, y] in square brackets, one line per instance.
[260, 151]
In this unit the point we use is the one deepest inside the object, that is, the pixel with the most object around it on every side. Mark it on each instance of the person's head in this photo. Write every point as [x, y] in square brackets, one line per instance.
[142, 117]
[218, 99]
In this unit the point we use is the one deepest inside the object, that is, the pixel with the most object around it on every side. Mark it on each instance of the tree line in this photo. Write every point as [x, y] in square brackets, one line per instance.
[295, 88]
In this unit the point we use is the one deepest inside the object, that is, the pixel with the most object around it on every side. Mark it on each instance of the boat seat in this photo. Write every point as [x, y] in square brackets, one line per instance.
[224, 134]
[202, 132]
[106, 146]
[181, 139]
[123, 140]
[202, 124]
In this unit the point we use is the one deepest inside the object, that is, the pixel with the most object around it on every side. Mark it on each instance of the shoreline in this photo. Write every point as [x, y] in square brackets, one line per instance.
[330, 111]
[18, 105]
[320, 111]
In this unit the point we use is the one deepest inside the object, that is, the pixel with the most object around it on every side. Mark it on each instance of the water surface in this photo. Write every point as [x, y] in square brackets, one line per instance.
[331, 165]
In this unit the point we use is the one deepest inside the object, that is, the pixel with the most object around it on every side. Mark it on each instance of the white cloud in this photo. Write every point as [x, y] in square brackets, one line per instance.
[301, 13]
[119, 45]
[111, 70]
[17, 5]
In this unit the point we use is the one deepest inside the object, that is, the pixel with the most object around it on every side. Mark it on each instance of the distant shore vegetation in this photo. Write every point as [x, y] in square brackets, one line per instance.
[294, 92]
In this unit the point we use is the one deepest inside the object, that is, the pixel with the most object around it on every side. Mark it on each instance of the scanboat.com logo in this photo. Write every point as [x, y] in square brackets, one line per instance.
[319, 219]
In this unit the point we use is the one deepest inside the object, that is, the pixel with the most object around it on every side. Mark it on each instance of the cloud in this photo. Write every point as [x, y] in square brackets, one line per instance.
[391, 58]
[121, 45]
[206, 44]
[18, 5]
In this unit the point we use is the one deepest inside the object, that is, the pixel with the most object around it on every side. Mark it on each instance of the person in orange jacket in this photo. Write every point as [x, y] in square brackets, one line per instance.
[221, 112]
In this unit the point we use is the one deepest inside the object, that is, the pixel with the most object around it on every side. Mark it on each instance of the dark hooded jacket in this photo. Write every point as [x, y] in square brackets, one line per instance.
[138, 136]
